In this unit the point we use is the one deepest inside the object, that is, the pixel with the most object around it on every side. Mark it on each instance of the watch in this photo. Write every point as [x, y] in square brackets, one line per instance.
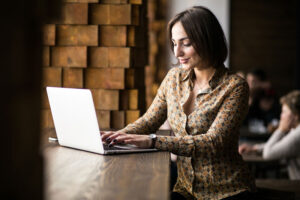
[153, 138]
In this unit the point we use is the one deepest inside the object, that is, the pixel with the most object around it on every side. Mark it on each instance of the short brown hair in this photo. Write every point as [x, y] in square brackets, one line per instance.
[292, 100]
[205, 33]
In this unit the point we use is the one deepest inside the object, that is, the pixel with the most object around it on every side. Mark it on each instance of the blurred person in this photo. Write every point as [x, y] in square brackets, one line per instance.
[285, 141]
[205, 105]
[264, 107]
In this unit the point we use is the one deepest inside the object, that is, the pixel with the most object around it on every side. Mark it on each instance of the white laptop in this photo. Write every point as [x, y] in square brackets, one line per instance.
[76, 123]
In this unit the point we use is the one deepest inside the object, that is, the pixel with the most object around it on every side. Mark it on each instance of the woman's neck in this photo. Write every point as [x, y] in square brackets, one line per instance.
[203, 75]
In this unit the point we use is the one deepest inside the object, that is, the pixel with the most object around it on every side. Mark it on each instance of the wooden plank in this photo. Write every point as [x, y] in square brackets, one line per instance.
[69, 56]
[138, 2]
[108, 14]
[120, 14]
[49, 34]
[131, 116]
[52, 76]
[45, 101]
[72, 78]
[118, 119]
[119, 57]
[113, 36]
[113, 1]
[136, 36]
[130, 99]
[81, 1]
[47, 120]
[74, 13]
[103, 117]
[135, 78]
[98, 57]
[78, 35]
[46, 56]
[105, 78]
[106, 99]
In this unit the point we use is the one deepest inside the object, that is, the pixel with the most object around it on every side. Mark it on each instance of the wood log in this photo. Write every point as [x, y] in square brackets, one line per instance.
[105, 78]
[98, 57]
[103, 117]
[69, 56]
[113, 36]
[78, 35]
[74, 13]
[49, 34]
[46, 56]
[52, 76]
[131, 116]
[106, 99]
[72, 78]
[117, 119]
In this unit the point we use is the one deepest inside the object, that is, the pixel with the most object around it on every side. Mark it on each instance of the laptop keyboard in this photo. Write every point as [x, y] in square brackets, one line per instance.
[119, 147]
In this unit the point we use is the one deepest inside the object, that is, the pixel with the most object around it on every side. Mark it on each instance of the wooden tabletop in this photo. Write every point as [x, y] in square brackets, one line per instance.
[284, 185]
[75, 174]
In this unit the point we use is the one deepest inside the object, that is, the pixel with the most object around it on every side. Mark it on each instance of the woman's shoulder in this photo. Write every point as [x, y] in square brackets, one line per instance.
[176, 72]
[236, 79]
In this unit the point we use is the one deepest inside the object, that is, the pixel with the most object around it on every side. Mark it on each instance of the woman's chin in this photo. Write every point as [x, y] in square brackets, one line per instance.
[186, 67]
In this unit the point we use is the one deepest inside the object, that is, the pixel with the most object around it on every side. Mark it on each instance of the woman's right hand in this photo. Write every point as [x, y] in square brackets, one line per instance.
[109, 136]
[246, 149]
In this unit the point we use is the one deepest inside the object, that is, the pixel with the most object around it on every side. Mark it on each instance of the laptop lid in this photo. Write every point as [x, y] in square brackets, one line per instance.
[75, 118]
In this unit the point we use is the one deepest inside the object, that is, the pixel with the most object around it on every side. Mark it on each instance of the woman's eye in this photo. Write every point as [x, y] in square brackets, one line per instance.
[187, 44]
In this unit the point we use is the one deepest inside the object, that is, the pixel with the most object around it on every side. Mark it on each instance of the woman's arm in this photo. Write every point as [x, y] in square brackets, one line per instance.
[222, 131]
[155, 115]
[281, 145]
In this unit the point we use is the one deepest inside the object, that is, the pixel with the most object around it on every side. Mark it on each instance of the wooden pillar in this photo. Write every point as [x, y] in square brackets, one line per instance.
[100, 45]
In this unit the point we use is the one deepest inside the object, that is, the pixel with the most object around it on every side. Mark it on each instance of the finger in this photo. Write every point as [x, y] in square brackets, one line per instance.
[106, 135]
[121, 138]
[112, 138]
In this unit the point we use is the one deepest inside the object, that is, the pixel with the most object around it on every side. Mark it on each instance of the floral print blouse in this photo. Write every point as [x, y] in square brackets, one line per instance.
[206, 141]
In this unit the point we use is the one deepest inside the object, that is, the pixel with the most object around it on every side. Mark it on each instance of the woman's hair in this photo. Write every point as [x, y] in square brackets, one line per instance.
[292, 100]
[204, 32]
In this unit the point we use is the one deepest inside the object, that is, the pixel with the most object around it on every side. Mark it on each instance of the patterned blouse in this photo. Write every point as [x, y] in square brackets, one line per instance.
[206, 141]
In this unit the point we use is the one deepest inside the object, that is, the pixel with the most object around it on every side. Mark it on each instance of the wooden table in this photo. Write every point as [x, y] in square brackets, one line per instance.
[277, 187]
[262, 168]
[75, 174]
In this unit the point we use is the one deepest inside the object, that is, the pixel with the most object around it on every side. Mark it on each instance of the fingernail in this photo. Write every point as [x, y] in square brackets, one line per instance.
[107, 139]
[115, 140]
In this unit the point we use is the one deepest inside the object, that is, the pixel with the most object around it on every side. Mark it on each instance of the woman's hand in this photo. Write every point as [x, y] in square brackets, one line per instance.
[111, 138]
[246, 149]
[285, 124]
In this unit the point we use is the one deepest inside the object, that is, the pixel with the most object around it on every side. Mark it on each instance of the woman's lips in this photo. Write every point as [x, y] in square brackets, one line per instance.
[183, 61]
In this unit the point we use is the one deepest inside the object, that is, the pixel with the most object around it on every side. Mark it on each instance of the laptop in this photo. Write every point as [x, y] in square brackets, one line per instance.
[76, 123]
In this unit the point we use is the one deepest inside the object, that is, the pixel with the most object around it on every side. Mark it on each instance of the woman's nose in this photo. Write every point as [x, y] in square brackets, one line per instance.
[178, 51]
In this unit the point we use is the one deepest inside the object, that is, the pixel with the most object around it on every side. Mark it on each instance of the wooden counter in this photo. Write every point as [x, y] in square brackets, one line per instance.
[75, 174]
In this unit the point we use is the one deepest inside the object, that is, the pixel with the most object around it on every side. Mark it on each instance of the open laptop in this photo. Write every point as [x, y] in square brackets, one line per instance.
[76, 123]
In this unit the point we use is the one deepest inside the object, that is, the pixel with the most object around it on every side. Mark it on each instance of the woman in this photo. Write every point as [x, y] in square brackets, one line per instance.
[285, 141]
[204, 105]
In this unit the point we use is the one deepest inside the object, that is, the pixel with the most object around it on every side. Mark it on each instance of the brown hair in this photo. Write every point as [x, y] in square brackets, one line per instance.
[205, 33]
[292, 100]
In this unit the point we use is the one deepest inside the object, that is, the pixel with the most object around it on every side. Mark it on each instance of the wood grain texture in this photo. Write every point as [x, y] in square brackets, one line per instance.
[77, 35]
[74, 13]
[69, 56]
[112, 36]
[73, 78]
[74, 174]
[52, 76]
[49, 34]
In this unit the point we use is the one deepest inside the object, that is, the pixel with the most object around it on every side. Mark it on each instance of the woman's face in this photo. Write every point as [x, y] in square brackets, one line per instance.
[288, 116]
[183, 49]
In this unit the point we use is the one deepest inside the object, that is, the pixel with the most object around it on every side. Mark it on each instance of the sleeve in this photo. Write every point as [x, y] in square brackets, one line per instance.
[281, 145]
[155, 115]
[222, 131]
